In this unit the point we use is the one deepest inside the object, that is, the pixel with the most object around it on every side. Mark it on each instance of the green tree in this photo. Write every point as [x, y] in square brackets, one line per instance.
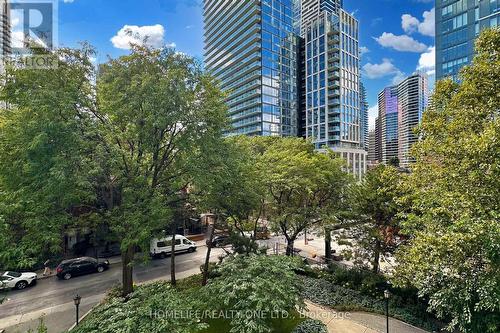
[157, 111]
[301, 185]
[375, 221]
[453, 256]
[231, 192]
[47, 158]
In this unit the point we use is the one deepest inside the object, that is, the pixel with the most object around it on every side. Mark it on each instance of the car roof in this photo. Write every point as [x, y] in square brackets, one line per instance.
[69, 261]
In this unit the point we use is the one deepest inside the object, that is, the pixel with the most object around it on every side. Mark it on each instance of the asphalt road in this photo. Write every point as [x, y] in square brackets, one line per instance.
[54, 297]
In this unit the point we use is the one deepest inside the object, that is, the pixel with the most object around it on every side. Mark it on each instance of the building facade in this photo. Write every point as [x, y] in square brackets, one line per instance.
[412, 100]
[372, 148]
[310, 10]
[250, 47]
[364, 116]
[290, 68]
[400, 112]
[458, 23]
[333, 118]
[5, 33]
[388, 115]
[378, 140]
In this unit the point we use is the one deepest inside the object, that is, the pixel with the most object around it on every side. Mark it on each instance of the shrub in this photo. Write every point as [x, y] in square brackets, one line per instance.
[341, 298]
[311, 326]
[148, 309]
[254, 284]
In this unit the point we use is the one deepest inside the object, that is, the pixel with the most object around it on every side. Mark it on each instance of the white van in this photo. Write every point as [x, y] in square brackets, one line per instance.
[162, 247]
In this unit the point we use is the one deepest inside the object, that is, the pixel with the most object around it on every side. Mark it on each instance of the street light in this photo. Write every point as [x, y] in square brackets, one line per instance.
[387, 294]
[77, 300]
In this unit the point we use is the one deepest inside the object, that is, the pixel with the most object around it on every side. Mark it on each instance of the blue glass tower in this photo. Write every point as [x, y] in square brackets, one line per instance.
[250, 47]
[458, 23]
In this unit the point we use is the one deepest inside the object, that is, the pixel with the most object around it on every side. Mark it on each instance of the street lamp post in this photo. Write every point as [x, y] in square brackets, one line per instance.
[386, 296]
[77, 300]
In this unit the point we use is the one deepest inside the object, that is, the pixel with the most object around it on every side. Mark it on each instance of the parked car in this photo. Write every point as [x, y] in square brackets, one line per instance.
[17, 280]
[162, 247]
[110, 251]
[220, 241]
[80, 266]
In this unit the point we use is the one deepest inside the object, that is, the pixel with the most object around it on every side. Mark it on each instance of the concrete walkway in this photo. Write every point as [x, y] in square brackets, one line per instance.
[356, 322]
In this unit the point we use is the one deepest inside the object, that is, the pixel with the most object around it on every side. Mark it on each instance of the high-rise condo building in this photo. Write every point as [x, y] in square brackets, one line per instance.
[333, 117]
[412, 100]
[400, 112]
[458, 23]
[372, 148]
[250, 47]
[5, 34]
[309, 11]
[290, 67]
[388, 115]
[378, 140]
[364, 115]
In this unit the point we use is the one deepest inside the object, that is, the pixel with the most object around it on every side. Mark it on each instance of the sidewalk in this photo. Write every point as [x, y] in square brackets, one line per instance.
[356, 322]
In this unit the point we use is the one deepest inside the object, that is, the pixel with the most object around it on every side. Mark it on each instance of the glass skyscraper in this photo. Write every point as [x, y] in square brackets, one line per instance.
[364, 116]
[388, 115]
[332, 109]
[413, 95]
[250, 47]
[458, 22]
[400, 110]
[290, 67]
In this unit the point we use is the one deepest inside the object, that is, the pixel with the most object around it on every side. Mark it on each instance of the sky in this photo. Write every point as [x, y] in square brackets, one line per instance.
[396, 36]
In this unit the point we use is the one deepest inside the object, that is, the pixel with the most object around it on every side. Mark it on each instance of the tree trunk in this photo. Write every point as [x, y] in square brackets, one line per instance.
[127, 270]
[172, 255]
[376, 259]
[289, 246]
[328, 245]
[207, 258]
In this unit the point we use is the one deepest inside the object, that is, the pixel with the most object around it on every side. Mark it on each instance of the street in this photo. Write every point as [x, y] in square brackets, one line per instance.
[53, 298]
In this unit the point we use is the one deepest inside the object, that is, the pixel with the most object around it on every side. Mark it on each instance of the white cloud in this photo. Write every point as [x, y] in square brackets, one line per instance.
[363, 50]
[149, 35]
[401, 43]
[427, 61]
[68, 1]
[398, 78]
[427, 27]
[385, 68]
[411, 24]
[375, 71]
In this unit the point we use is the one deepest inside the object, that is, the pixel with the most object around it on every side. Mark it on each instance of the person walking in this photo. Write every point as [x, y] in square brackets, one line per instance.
[46, 271]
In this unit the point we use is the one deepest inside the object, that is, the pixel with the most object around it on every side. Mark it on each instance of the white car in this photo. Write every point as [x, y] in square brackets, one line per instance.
[17, 280]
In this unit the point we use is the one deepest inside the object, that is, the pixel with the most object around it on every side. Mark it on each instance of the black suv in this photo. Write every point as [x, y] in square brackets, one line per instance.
[80, 266]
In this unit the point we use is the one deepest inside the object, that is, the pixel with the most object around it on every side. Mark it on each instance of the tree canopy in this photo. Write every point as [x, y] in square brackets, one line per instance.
[453, 257]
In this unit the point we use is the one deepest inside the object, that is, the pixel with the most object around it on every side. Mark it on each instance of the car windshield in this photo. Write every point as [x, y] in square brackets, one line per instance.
[13, 274]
